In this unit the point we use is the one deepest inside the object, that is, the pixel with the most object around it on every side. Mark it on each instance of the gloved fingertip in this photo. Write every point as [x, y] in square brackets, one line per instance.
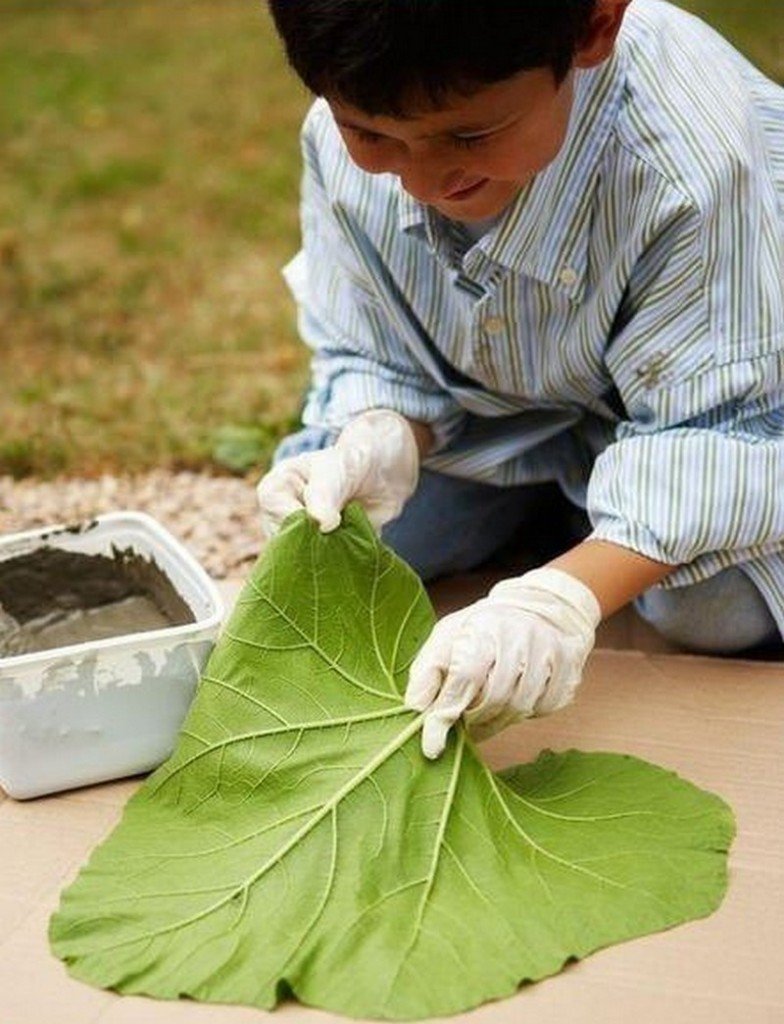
[323, 512]
[417, 697]
[424, 682]
[434, 734]
[328, 523]
[323, 504]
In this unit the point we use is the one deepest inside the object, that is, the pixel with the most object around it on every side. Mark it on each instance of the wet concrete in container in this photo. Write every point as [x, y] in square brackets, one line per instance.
[52, 598]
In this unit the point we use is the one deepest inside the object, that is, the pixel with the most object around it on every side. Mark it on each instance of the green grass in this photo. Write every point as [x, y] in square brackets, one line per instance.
[147, 201]
[148, 180]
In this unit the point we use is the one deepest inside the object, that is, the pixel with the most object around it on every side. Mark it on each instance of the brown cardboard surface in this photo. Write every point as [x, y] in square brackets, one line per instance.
[719, 723]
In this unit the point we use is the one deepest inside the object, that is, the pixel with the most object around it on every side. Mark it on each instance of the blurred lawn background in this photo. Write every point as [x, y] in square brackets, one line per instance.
[148, 197]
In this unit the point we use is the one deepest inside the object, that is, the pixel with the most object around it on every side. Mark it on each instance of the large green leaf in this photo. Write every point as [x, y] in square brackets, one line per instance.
[297, 841]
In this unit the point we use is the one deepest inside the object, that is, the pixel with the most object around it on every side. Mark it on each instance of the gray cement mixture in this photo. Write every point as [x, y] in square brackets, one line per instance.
[52, 598]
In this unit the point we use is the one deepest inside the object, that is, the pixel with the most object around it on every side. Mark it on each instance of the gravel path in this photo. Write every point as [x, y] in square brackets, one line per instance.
[215, 517]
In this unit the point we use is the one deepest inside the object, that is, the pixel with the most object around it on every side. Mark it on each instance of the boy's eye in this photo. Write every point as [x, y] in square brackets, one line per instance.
[365, 136]
[460, 141]
[469, 141]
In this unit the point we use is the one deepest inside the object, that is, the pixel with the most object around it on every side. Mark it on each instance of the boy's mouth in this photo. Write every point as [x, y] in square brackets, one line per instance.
[466, 193]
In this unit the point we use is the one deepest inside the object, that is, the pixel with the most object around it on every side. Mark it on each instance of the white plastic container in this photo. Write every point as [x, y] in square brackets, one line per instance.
[105, 709]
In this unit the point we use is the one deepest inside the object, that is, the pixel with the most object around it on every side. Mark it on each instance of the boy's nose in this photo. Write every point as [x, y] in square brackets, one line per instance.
[429, 187]
[429, 183]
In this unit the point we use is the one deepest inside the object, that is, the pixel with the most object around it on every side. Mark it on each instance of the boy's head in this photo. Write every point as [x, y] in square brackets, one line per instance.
[463, 101]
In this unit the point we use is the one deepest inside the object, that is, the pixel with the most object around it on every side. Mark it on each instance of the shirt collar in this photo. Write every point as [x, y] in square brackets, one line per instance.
[544, 232]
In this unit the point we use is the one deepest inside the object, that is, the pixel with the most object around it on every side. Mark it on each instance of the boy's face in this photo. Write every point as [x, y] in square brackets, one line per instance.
[471, 156]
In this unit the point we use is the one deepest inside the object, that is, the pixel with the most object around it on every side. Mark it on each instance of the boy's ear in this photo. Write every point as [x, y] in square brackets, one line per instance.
[602, 32]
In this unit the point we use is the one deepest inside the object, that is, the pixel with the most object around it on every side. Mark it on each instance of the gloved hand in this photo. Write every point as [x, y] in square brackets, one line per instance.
[515, 654]
[374, 461]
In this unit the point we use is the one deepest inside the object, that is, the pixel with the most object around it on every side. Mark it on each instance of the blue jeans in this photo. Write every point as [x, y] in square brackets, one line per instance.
[451, 525]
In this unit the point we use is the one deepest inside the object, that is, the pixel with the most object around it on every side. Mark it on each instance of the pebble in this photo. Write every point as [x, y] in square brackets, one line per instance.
[216, 518]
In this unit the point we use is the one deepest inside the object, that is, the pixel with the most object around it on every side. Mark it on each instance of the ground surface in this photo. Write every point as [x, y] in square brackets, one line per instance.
[215, 517]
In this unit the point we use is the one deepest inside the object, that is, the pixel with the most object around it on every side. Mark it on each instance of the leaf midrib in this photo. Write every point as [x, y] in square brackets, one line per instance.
[321, 723]
[383, 755]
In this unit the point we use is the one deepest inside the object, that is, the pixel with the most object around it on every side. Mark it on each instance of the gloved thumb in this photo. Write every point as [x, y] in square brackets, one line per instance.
[435, 730]
[331, 485]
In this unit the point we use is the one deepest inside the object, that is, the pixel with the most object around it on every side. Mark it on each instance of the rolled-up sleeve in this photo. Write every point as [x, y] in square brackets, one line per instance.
[695, 476]
[358, 362]
[698, 498]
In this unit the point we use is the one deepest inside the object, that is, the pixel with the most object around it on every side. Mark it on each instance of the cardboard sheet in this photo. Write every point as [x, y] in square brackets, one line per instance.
[719, 723]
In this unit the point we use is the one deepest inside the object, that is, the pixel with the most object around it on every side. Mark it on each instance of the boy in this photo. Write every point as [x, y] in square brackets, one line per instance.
[543, 241]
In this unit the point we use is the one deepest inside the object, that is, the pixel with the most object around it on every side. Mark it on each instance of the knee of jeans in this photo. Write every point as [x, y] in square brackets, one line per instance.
[427, 561]
[720, 616]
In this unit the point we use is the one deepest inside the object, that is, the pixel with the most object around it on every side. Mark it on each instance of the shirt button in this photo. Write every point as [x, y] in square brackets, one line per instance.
[568, 276]
[494, 324]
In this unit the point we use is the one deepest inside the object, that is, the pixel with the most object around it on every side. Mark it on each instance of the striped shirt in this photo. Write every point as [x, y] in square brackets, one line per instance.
[620, 329]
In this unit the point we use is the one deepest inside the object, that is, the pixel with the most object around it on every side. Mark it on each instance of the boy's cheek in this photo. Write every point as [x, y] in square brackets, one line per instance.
[373, 166]
[529, 154]
[538, 142]
[374, 158]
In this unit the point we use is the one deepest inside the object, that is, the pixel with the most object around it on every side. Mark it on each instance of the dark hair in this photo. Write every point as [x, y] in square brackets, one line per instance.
[385, 56]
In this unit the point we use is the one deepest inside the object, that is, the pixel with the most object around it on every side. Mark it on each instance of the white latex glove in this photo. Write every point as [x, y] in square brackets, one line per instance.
[517, 653]
[374, 461]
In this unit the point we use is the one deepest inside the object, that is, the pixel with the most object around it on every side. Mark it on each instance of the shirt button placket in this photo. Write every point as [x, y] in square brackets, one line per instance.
[489, 327]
